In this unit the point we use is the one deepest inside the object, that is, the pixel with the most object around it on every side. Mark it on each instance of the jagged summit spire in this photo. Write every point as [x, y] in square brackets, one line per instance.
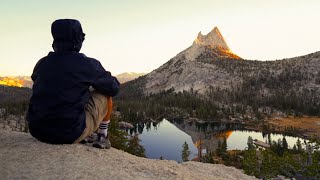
[213, 39]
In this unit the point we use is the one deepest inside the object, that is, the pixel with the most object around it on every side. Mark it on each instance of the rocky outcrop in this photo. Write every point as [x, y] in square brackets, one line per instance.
[13, 122]
[23, 157]
[185, 71]
[213, 39]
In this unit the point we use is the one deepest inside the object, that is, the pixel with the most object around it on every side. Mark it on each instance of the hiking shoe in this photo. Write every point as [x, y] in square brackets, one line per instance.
[90, 139]
[102, 142]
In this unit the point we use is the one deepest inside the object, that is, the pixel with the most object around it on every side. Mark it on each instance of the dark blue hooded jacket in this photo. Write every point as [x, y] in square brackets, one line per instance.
[62, 79]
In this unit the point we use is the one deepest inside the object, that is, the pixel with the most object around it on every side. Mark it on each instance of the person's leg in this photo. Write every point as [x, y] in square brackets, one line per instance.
[104, 125]
[96, 111]
[103, 140]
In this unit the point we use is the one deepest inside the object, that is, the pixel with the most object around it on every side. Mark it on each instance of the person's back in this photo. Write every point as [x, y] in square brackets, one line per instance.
[61, 86]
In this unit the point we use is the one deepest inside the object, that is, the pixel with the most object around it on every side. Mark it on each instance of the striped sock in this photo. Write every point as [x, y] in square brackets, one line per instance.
[103, 128]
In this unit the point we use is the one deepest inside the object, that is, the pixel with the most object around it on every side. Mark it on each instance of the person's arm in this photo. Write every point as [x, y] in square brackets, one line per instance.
[35, 70]
[104, 82]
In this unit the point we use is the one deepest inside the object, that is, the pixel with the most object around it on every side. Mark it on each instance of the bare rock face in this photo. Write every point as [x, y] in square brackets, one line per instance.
[23, 157]
[186, 71]
[213, 42]
[210, 64]
[213, 39]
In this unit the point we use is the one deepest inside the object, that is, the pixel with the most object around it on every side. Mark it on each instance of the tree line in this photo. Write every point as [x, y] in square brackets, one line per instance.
[265, 87]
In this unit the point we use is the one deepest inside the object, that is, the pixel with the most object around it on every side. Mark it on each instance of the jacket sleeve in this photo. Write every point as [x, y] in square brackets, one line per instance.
[104, 82]
[35, 70]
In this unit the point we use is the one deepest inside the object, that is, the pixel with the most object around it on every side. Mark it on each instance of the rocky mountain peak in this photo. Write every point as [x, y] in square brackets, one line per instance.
[211, 46]
[213, 39]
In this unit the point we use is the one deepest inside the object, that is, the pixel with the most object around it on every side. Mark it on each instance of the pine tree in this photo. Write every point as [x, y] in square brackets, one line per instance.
[269, 139]
[117, 137]
[134, 147]
[294, 148]
[250, 143]
[224, 145]
[185, 152]
[299, 146]
[219, 148]
[284, 143]
[279, 147]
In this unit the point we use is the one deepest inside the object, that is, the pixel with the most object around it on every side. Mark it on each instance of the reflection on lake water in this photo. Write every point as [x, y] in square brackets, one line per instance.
[165, 139]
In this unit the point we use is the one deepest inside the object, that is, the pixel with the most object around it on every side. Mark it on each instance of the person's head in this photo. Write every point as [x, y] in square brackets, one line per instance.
[67, 35]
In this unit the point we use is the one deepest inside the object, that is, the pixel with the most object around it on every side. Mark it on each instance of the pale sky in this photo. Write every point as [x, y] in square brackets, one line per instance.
[141, 35]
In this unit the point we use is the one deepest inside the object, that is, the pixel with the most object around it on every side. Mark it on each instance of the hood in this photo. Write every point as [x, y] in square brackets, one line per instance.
[67, 35]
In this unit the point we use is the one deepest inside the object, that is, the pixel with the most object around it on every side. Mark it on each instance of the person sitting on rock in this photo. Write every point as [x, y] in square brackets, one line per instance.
[62, 109]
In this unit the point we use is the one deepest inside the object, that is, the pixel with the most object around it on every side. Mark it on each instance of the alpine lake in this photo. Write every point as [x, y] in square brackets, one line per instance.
[165, 139]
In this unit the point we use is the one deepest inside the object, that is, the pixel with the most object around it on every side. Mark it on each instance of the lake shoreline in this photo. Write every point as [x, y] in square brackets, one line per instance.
[307, 126]
[304, 127]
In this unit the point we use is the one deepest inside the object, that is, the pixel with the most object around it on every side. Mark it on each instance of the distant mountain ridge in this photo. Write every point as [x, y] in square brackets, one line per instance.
[17, 81]
[26, 81]
[209, 62]
[210, 70]
[128, 76]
